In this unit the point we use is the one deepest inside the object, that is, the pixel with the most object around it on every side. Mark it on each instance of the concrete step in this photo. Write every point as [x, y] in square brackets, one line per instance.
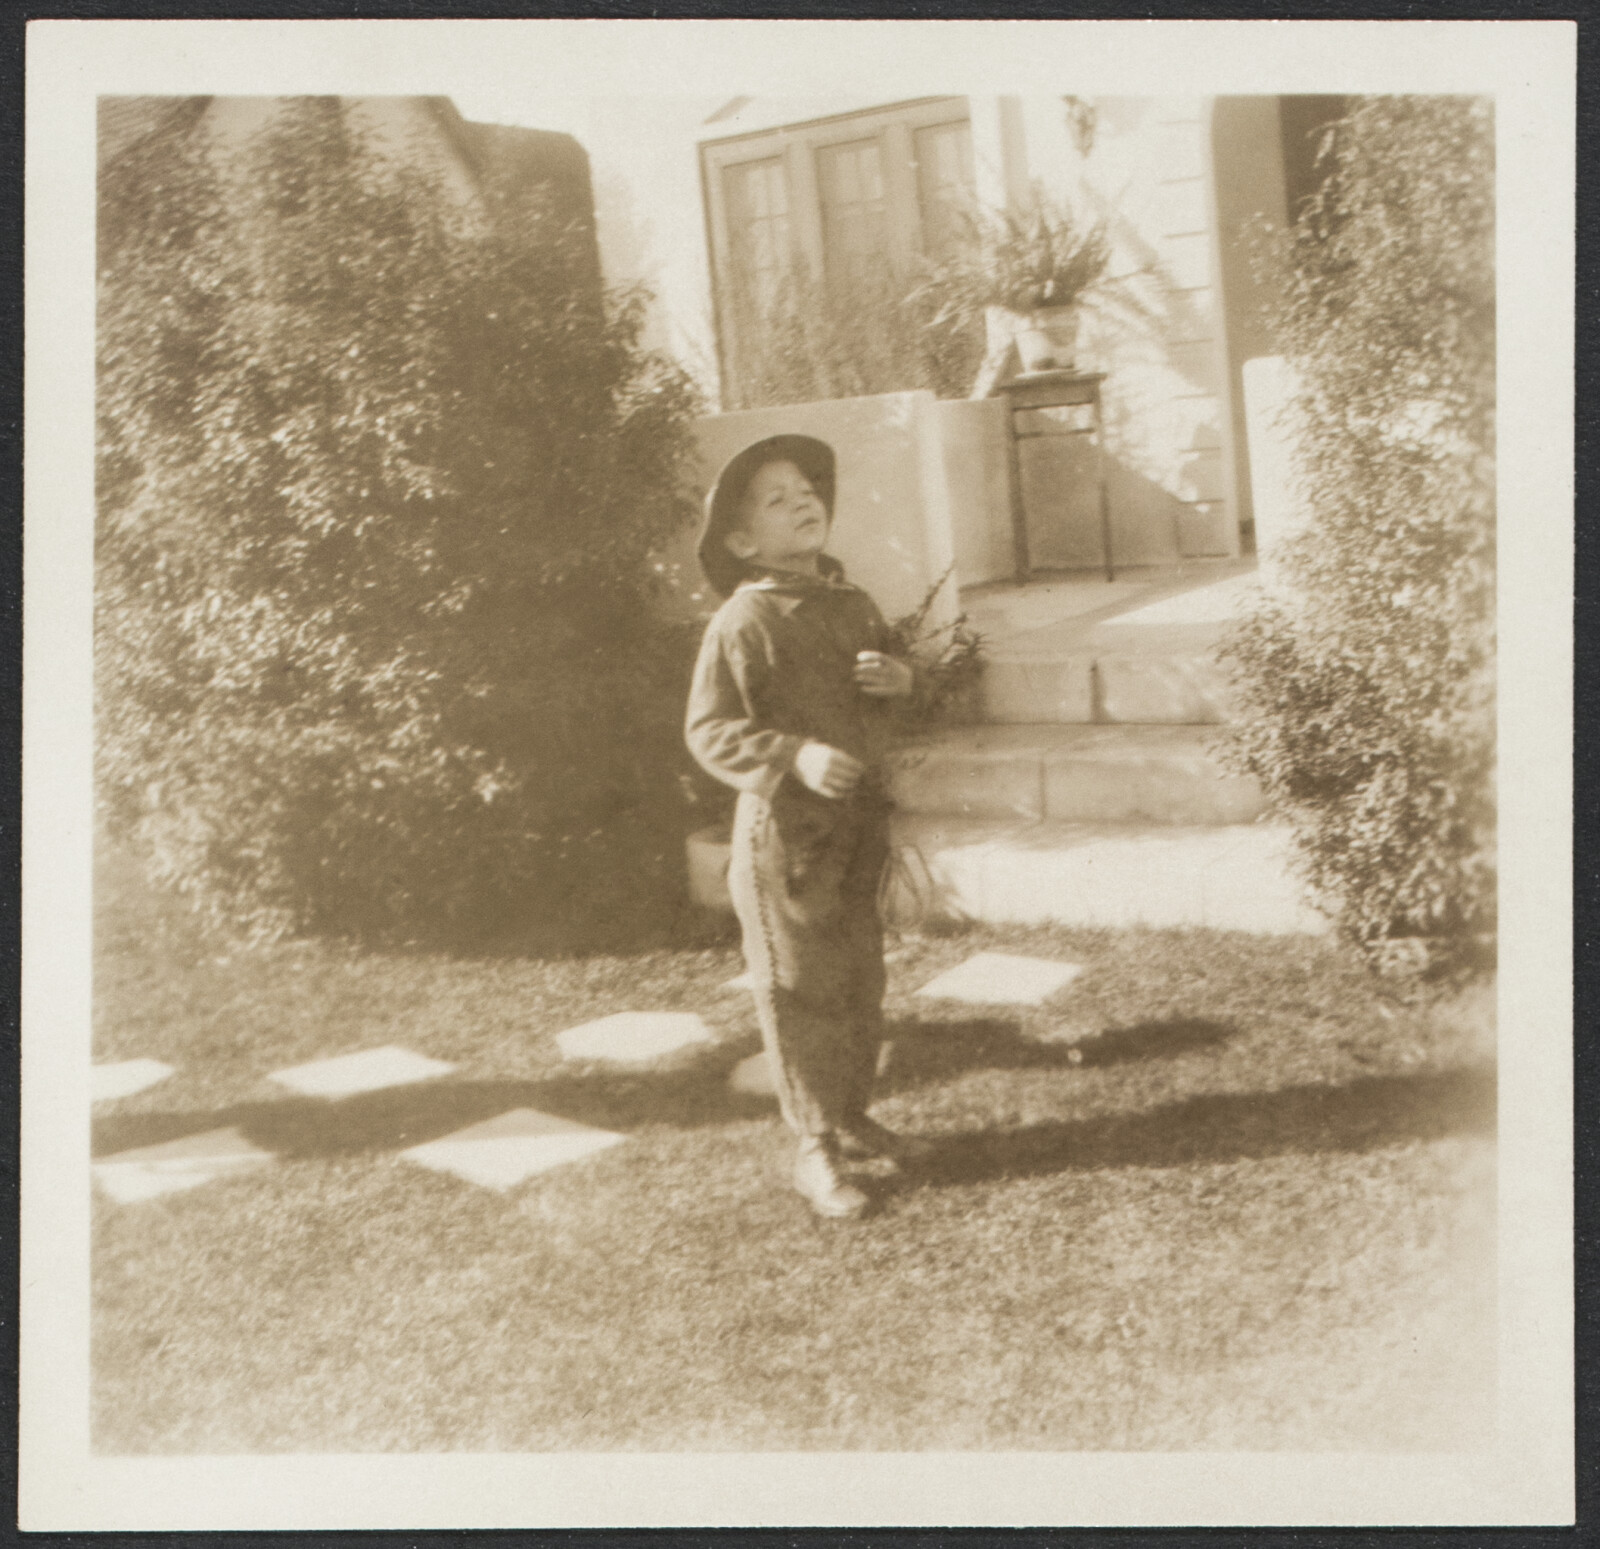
[1139, 687]
[1002, 872]
[1157, 774]
[1119, 687]
[1137, 651]
[1024, 690]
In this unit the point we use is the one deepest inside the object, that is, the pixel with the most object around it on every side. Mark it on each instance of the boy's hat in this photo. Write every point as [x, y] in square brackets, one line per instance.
[814, 458]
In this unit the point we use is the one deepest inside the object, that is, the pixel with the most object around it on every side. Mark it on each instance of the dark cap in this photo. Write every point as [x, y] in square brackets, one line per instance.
[723, 569]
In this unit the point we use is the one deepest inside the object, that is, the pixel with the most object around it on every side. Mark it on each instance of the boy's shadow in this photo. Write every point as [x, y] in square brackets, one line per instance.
[1363, 1115]
[688, 1097]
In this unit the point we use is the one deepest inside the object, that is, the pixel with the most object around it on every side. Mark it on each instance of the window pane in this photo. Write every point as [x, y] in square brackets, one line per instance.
[944, 183]
[758, 227]
[855, 224]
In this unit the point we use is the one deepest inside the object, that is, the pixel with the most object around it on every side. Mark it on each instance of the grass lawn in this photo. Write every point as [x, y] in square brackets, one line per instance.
[1258, 1214]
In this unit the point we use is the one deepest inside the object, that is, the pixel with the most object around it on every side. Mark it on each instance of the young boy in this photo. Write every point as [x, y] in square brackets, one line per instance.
[790, 706]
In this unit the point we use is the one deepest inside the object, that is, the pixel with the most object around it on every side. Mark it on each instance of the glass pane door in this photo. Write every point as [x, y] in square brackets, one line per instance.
[855, 224]
[757, 195]
[944, 184]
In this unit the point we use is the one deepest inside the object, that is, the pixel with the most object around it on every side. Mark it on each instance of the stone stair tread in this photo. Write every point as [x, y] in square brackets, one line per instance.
[1056, 834]
[1073, 638]
[1114, 741]
[1013, 871]
[1171, 775]
[1017, 870]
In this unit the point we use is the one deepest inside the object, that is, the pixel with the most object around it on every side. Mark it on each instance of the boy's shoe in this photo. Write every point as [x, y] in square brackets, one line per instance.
[866, 1137]
[816, 1176]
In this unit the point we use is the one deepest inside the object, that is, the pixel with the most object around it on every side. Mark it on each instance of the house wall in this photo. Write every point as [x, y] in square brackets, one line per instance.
[1172, 174]
[1167, 418]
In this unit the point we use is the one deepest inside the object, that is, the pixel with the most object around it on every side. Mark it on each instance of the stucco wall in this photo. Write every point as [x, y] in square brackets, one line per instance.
[972, 436]
[1247, 152]
[1280, 507]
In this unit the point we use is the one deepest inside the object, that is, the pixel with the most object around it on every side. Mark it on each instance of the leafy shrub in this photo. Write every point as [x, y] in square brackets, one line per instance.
[809, 340]
[1025, 259]
[949, 658]
[1367, 684]
[378, 475]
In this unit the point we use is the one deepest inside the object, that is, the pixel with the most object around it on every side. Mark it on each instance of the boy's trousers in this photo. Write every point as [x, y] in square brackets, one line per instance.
[804, 880]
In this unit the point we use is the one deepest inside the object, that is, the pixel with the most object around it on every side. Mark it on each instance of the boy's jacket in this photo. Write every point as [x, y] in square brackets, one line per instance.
[776, 669]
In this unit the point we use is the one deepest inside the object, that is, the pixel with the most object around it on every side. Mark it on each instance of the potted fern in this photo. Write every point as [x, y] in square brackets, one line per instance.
[1036, 264]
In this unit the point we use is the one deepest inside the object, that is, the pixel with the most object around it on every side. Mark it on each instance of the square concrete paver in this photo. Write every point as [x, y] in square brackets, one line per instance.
[369, 1071]
[499, 1153]
[633, 1037]
[998, 978]
[130, 1176]
[125, 1077]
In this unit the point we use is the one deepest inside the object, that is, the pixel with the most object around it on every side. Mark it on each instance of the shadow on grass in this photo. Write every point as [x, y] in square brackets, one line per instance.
[687, 1098]
[1361, 1116]
[934, 1051]
[406, 1116]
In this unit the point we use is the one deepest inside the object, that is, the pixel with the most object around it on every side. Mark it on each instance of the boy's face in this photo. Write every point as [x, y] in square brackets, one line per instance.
[781, 518]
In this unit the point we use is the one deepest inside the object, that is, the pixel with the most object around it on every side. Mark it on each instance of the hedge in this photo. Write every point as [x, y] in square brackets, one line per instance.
[1368, 680]
[380, 476]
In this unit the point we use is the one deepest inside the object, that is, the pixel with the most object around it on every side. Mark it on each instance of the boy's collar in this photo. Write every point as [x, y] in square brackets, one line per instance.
[796, 583]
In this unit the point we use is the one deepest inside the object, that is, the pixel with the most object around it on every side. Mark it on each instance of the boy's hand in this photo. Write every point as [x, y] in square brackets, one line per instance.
[884, 677]
[828, 771]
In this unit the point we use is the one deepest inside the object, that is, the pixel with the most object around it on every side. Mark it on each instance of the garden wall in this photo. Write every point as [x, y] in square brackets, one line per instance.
[972, 436]
[1280, 509]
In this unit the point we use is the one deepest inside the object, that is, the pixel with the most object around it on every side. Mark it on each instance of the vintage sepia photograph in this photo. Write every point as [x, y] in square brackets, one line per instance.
[794, 766]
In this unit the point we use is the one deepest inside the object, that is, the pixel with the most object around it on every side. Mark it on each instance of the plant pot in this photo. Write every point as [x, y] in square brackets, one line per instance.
[1048, 340]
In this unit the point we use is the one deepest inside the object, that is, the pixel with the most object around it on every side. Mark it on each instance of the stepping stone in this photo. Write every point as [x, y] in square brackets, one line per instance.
[130, 1176]
[753, 1077]
[125, 1077]
[633, 1037]
[369, 1071]
[998, 978]
[743, 982]
[499, 1153]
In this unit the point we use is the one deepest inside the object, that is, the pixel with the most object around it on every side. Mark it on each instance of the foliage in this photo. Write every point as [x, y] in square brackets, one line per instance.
[1368, 683]
[1010, 264]
[809, 340]
[1024, 260]
[378, 473]
[949, 658]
